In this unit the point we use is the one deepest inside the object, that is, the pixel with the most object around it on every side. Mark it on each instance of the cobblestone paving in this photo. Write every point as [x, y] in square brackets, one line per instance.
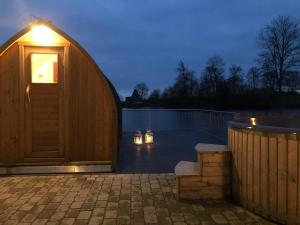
[109, 199]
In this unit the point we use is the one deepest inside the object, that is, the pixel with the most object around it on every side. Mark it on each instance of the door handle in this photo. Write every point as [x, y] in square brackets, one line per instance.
[28, 93]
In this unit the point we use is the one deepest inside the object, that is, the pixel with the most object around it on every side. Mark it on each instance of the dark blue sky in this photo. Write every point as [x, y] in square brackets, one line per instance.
[143, 40]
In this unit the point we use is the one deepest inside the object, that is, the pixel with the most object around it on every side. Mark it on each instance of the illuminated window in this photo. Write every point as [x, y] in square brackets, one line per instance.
[44, 68]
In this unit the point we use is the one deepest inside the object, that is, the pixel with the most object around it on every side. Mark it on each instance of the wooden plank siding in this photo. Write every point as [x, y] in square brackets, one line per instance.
[9, 105]
[91, 111]
[266, 173]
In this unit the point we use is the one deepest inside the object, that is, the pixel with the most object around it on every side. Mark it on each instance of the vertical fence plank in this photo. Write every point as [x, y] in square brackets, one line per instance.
[239, 163]
[264, 174]
[292, 181]
[273, 167]
[235, 164]
[250, 171]
[256, 173]
[298, 179]
[233, 171]
[282, 177]
[244, 168]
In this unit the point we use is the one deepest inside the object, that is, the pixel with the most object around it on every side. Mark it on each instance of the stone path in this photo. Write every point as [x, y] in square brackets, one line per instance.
[109, 199]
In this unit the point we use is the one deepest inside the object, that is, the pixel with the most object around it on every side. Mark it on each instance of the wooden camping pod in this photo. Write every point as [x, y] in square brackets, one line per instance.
[70, 113]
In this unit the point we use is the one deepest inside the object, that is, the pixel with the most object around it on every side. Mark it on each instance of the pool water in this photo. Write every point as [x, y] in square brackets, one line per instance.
[176, 132]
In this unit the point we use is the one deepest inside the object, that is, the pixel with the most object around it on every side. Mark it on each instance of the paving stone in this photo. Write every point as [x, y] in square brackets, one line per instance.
[135, 199]
[98, 212]
[81, 222]
[76, 205]
[30, 217]
[26, 207]
[52, 223]
[123, 220]
[101, 204]
[40, 222]
[177, 217]
[162, 212]
[136, 204]
[111, 214]
[72, 213]
[52, 205]
[164, 220]
[109, 222]
[63, 208]
[150, 218]
[84, 215]
[11, 222]
[207, 223]
[219, 219]
[192, 220]
[149, 210]
[57, 216]
[67, 221]
[95, 220]
[112, 205]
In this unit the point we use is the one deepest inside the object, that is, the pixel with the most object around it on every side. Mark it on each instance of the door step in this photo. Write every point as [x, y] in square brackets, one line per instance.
[55, 169]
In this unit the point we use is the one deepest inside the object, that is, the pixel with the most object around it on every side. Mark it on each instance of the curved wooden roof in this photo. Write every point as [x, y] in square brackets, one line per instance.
[24, 31]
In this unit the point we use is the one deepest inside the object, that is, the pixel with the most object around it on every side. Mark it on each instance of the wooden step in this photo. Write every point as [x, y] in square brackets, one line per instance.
[209, 177]
[213, 160]
[186, 168]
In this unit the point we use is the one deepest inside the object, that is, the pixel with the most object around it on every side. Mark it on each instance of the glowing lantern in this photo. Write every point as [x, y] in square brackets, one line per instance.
[149, 137]
[138, 138]
[43, 35]
[253, 121]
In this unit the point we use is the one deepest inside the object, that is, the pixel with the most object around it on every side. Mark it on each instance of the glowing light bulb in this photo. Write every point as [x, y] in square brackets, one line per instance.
[43, 35]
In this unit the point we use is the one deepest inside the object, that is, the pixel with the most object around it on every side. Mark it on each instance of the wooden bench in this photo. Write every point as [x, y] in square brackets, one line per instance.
[209, 177]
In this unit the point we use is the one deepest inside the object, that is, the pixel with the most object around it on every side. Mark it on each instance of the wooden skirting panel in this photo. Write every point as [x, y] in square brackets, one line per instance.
[266, 173]
[197, 187]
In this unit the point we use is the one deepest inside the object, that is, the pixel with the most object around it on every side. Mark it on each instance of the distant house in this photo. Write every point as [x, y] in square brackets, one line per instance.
[134, 98]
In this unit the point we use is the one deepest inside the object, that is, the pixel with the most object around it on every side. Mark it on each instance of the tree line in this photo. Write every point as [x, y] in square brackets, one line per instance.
[272, 81]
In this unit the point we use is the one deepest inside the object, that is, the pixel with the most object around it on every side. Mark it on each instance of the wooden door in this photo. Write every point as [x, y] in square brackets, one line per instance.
[44, 104]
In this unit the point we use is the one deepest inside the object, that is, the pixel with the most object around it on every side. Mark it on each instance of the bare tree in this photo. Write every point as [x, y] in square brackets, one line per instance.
[182, 79]
[253, 77]
[235, 80]
[142, 89]
[186, 84]
[280, 48]
[212, 75]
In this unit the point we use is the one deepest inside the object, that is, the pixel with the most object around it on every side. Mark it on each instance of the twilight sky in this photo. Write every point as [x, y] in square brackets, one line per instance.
[143, 40]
